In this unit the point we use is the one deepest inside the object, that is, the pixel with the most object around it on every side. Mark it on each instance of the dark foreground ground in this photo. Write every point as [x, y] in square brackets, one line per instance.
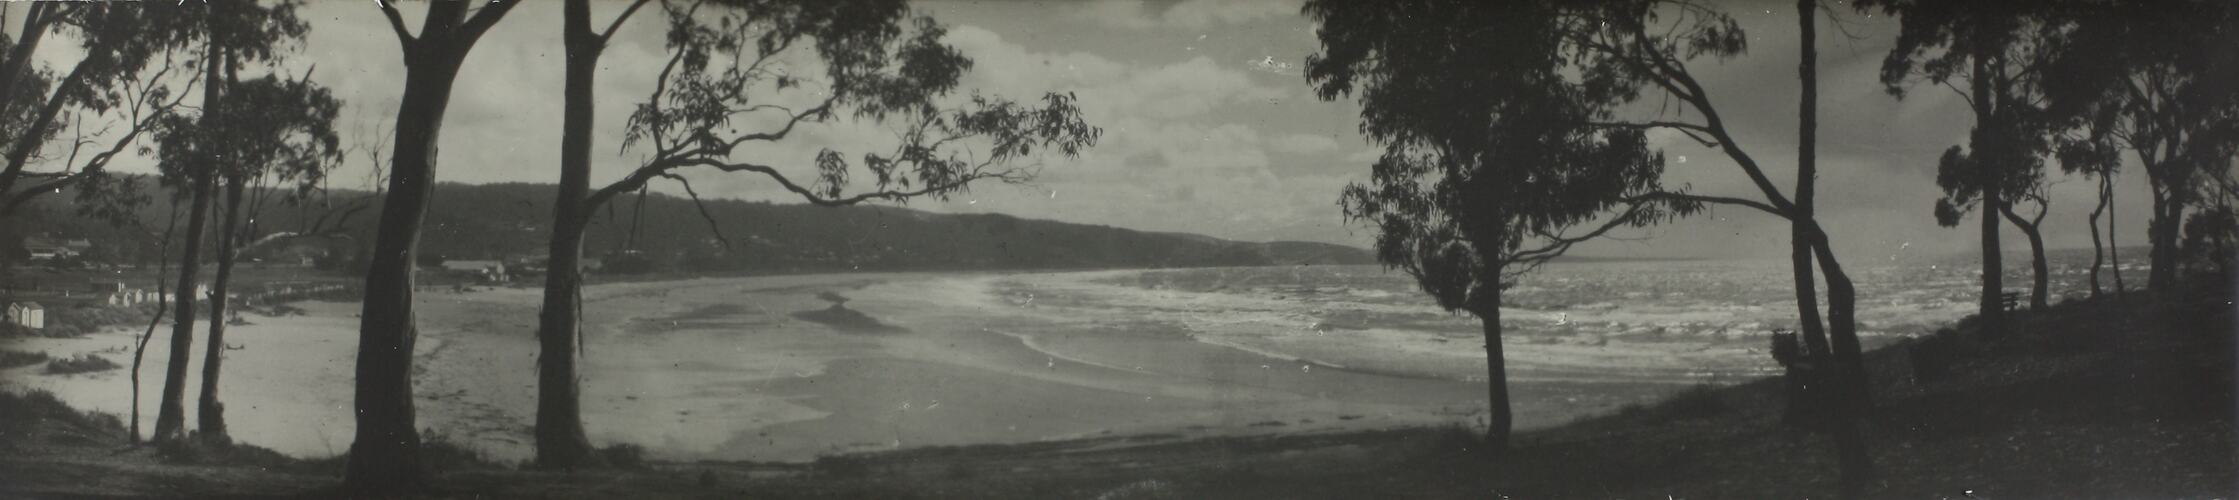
[2091, 399]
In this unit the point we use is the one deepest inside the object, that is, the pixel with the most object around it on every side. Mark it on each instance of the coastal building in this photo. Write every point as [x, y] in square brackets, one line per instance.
[28, 315]
[46, 249]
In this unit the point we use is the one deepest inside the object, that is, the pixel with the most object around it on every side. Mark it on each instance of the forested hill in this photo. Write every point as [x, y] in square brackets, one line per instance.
[511, 221]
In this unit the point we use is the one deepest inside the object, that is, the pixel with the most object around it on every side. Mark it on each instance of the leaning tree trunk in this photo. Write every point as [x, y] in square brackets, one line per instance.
[560, 440]
[385, 458]
[2039, 278]
[210, 413]
[140, 351]
[162, 305]
[170, 419]
[1853, 388]
[18, 58]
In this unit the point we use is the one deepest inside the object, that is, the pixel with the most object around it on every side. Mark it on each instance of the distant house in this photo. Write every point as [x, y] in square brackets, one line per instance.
[488, 270]
[28, 315]
[46, 249]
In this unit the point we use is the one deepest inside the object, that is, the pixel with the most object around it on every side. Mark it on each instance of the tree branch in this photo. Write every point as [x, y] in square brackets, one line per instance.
[396, 23]
[609, 32]
[712, 227]
[483, 20]
[812, 197]
[141, 123]
[1559, 244]
[1718, 200]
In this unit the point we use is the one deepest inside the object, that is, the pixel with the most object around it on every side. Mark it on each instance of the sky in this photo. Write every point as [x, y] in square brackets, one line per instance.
[1210, 127]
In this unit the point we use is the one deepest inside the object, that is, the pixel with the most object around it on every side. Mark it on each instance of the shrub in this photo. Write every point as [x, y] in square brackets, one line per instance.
[12, 359]
[20, 413]
[83, 363]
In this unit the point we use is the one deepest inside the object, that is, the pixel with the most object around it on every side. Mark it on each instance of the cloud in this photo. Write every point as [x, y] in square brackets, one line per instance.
[1304, 144]
[1189, 14]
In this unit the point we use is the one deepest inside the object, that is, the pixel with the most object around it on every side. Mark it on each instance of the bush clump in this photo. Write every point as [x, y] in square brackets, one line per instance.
[12, 359]
[21, 413]
[83, 363]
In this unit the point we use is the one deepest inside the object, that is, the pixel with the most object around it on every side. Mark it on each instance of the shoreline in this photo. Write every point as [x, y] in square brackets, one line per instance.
[708, 368]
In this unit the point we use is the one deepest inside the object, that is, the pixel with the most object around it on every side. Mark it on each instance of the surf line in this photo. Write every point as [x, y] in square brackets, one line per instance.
[1028, 341]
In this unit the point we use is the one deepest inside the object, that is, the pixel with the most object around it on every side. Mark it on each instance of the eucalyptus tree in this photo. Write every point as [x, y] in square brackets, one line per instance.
[191, 152]
[730, 64]
[1491, 156]
[162, 305]
[118, 55]
[2157, 80]
[1995, 50]
[1960, 196]
[2032, 227]
[278, 135]
[385, 457]
[1637, 49]
[2090, 150]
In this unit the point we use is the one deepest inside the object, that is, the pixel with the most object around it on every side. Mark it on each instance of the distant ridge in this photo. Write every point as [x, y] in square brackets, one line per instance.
[512, 221]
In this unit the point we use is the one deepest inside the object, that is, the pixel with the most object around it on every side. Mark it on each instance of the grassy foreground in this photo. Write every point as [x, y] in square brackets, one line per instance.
[2104, 398]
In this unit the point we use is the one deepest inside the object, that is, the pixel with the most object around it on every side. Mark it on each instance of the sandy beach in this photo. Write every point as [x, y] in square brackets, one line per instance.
[726, 369]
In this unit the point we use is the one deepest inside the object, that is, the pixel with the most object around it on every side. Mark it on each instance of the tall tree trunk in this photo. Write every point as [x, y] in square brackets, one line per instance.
[2162, 232]
[2098, 247]
[560, 440]
[170, 420]
[2040, 282]
[12, 72]
[385, 458]
[210, 413]
[2114, 242]
[28, 140]
[1810, 241]
[1500, 417]
[1993, 263]
[1807, 173]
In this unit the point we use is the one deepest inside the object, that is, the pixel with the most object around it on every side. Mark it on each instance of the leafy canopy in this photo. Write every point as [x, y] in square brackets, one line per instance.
[736, 62]
[1490, 139]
